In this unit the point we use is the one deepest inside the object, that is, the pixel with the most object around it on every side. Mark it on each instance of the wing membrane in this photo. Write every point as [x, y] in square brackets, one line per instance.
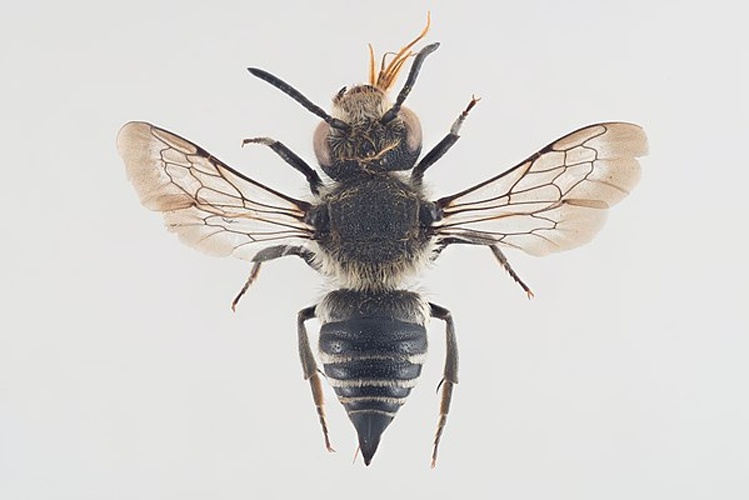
[211, 206]
[556, 199]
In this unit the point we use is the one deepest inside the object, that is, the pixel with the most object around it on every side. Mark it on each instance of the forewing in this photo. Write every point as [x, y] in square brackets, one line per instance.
[211, 206]
[555, 200]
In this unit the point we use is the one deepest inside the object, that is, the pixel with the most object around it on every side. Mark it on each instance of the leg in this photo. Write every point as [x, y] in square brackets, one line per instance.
[506, 264]
[309, 367]
[272, 253]
[292, 159]
[467, 240]
[443, 146]
[450, 374]
[445, 242]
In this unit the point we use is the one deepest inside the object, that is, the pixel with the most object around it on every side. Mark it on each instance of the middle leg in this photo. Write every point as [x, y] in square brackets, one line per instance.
[272, 253]
[498, 254]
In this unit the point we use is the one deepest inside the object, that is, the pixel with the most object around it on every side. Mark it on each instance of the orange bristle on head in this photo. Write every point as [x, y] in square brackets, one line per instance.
[388, 74]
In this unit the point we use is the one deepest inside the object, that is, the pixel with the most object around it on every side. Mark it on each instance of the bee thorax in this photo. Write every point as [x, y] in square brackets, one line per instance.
[371, 233]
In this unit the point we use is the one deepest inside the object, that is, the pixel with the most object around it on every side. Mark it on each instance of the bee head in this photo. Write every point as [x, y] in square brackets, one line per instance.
[368, 132]
[372, 140]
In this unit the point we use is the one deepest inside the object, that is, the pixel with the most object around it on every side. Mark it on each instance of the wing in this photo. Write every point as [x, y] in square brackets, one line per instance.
[553, 201]
[211, 206]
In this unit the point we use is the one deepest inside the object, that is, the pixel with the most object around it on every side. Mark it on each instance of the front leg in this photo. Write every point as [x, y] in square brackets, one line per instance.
[315, 183]
[449, 375]
[442, 147]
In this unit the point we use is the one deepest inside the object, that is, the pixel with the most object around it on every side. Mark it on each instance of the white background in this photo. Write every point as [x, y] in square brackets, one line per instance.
[125, 375]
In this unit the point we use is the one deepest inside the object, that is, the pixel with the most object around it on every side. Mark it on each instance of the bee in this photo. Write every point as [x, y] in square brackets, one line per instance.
[369, 227]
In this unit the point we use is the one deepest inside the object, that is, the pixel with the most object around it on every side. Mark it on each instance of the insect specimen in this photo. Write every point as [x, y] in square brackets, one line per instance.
[369, 227]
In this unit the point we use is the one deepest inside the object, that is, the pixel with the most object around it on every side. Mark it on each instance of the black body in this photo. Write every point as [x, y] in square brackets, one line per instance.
[373, 230]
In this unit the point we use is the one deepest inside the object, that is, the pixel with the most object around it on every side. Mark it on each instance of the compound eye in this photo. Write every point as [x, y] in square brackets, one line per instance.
[322, 146]
[413, 129]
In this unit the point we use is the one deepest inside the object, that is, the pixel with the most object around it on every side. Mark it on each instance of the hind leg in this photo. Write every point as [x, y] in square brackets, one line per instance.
[311, 372]
[450, 373]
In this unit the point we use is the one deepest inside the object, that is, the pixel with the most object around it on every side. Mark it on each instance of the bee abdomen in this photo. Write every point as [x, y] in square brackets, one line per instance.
[372, 364]
[372, 357]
